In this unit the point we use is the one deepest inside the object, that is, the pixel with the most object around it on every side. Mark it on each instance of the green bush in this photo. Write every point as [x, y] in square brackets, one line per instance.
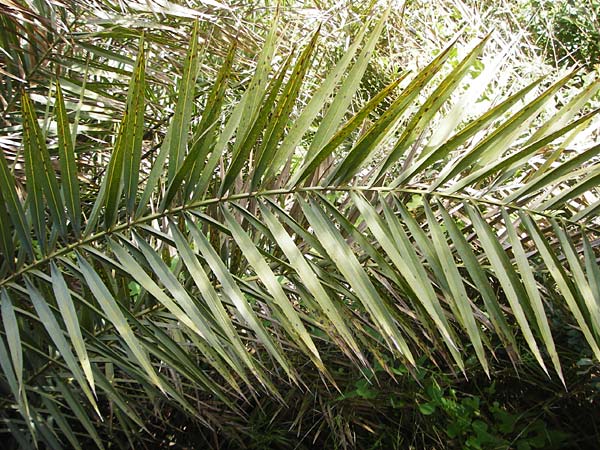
[568, 30]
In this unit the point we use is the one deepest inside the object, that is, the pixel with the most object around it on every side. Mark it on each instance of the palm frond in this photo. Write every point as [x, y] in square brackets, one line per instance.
[223, 274]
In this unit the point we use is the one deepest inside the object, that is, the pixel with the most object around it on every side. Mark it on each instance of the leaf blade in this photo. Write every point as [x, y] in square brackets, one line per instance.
[118, 320]
[68, 167]
[346, 262]
[56, 334]
[69, 315]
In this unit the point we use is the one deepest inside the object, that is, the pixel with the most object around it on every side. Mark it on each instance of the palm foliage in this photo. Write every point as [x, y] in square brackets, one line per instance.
[261, 239]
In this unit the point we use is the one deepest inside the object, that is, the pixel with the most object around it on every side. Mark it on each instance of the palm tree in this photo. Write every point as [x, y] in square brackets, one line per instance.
[259, 243]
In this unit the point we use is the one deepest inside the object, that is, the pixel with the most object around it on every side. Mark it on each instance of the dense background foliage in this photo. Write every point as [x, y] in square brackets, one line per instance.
[567, 31]
[249, 225]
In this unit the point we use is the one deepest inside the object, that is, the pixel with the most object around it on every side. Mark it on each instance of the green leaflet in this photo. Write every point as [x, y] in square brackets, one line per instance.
[56, 334]
[343, 98]
[496, 143]
[592, 270]
[430, 107]
[242, 149]
[8, 370]
[207, 131]
[456, 285]
[215, 304]
[310, 112]
[531, 288]
[307, 275]
[553, 175]
[280, 118]
[13, 336]
[134, 131]
[169, 350]
[252, 113]
[62, 422]
[47, 435]
[561, 279]
[187, 304]
[422, 241]
[80, 413]
[123, 166]
[587, 213]
[470, 130]
[589, 182]
[43, 178]
[235, 295]
[138, 274]
[362, 151]
[7, 248]
[13, 366]
[180, 123]
[69, 315]
[394, 241]
[346, 262]
[382, 270]
[257, 87]
[311, 164]
[116, 318]
[579, 278]
[175, 142]
[460, 110]
[268, 278]
[567, 112]
[110, 193]
[480, 278]
[68, 166]
[517, 159]
[508, 278]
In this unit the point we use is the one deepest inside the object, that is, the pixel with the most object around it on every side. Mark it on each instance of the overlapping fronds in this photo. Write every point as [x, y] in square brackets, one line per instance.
[267, 235]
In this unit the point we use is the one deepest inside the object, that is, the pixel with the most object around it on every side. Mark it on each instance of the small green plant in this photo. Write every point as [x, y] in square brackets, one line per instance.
[482, 422]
